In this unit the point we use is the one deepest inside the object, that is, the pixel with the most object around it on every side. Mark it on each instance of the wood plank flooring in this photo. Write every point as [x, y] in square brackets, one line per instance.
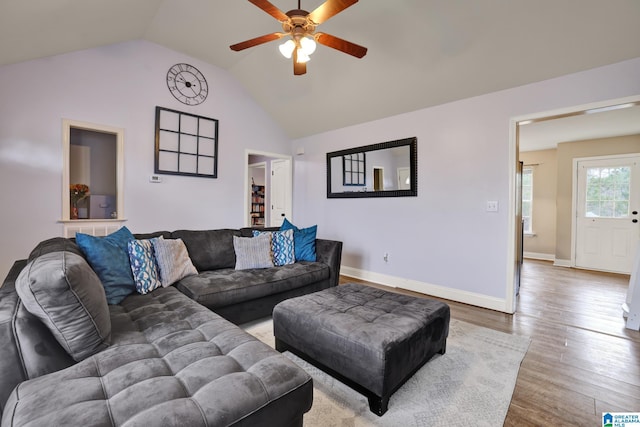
[582, 361]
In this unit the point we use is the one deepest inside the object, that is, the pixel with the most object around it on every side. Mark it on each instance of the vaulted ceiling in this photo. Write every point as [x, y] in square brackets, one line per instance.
[421, 52]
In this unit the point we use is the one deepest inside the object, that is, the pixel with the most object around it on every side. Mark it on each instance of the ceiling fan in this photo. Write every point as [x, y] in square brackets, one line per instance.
[301, 25]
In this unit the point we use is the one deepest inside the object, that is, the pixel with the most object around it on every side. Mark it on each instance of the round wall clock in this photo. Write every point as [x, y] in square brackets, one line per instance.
[187, 84]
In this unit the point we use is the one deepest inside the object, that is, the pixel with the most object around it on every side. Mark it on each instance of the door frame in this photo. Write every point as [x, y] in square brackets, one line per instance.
[247, 188]
[574, 197]
[514, 158]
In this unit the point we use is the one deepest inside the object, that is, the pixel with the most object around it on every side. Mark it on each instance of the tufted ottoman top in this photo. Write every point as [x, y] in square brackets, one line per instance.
[365, 315]
[372, 337]
[171, 362]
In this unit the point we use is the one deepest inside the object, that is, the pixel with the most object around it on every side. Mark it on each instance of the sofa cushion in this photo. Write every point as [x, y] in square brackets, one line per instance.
[109, 258]
[253, 252]
[282, 251]
[209, 249]
[55, 244]
[62, 291]
[143, 265]
[173, 363]
[304, 240]
[145, 236]
[173, 260]
[219, 288]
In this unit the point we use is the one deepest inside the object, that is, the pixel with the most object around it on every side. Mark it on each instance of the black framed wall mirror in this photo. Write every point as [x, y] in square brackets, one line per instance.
[387, 169]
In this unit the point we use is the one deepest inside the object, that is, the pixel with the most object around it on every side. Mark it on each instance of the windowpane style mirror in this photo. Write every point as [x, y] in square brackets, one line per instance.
[387, 169]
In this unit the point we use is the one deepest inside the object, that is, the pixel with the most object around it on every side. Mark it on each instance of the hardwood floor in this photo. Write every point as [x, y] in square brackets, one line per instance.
[582, 361]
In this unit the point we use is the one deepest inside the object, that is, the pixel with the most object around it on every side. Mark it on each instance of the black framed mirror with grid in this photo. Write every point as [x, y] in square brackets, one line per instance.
[185, 144]
[387, 169]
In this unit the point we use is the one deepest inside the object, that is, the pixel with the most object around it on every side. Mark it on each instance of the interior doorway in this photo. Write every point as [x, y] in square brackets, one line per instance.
[277, 188]
[515, 199]
[257, 179]
[404, 180]
[378, 178]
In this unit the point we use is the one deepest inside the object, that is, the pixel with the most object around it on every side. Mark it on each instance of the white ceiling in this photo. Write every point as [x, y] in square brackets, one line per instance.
[421, 52]
[549, 133]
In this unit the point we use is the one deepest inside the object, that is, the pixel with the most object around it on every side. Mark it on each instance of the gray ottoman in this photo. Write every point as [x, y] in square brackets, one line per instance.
[370, 339]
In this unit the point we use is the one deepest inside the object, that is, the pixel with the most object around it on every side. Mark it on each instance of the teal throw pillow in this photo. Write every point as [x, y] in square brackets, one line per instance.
[109, 258]
[282, 249]
[143, 265]
[304, 241]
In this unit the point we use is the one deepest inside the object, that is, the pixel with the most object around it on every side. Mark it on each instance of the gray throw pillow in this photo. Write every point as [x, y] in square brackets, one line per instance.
[62, 290]
[173, 260]
[253, 252]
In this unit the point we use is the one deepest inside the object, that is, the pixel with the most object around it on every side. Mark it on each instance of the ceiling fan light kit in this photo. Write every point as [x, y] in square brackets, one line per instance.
[301, 25]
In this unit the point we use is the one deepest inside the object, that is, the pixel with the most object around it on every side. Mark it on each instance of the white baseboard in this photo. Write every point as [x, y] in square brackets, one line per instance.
[562, 262]
[538, 255]
[457, 295]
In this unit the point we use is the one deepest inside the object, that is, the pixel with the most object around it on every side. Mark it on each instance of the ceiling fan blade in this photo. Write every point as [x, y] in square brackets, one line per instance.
[270, 9]
[298, 68]
[255, 42]
[341, 45]
[328, 9]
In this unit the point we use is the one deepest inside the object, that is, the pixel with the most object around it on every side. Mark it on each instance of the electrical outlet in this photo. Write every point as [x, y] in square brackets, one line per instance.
[155, 178]
[492, 206]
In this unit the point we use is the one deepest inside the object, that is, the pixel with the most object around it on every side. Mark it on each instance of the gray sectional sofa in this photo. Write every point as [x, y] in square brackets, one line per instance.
[169, 357]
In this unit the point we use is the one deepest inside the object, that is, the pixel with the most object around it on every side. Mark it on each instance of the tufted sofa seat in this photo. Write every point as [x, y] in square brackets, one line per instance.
[171, 362]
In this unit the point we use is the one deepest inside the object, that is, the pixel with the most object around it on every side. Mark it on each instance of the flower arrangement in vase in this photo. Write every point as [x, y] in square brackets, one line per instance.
[77, 192]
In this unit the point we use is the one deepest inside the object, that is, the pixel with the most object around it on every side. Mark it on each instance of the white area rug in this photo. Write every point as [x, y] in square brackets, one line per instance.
[470, 385]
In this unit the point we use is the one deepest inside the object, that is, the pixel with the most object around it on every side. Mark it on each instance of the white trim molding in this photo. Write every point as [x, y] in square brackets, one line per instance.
[540, 256]
[247, 188]
[67, 124]
[562, 262]
[457, 295]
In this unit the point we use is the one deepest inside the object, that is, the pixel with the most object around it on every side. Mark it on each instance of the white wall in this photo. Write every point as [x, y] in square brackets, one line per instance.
[442, 242]
[118, 85]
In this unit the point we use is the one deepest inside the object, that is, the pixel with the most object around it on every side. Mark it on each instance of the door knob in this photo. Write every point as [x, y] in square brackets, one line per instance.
[634, 213]
[282, 215]
[634, 220]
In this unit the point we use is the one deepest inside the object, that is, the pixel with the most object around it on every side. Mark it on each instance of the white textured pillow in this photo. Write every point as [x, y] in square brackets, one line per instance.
[253, 252]
[173, 260]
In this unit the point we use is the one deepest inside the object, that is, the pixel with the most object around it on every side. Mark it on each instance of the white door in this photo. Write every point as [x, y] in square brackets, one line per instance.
[280, 191]
[404, 182]
[607, 205]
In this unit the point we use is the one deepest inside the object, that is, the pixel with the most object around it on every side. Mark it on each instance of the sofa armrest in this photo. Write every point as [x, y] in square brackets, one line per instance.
[11, 368]
[28, 349]
[14, 272]
[330, 252]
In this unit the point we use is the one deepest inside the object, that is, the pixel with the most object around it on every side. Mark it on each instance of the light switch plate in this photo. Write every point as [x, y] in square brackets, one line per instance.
[155, 178]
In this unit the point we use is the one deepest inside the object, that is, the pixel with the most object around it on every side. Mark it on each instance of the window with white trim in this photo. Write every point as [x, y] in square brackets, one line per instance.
[527, 200]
